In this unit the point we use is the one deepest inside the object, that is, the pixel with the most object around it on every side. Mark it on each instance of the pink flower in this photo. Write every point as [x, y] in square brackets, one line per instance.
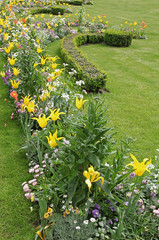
[37, 175]
[31, 170]
[34, 183]
[36, 166]
[26, 188]
[41, 173]
[28, 195]
[44, 166]
[37, 170]
[24, 183]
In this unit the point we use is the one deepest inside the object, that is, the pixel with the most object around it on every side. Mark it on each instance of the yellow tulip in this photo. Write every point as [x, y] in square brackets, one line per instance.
[42, 120]
[39, 50]
[14, 83]
[43, 61]
[6, 35]
[79, 103]
[12, 60]
[52, 139]
[92, 176]
[54, 65]
[27, 100]
[55, 114]
[15, 71]
[139, 167]
[2, 74]
[7, 50]
[31, 106]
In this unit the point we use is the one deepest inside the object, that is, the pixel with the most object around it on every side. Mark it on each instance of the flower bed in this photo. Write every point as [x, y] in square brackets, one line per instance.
[80, 184]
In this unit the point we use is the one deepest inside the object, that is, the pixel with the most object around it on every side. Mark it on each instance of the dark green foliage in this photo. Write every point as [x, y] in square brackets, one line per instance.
[75, 2]
[53, 10]
[57, 10]
[117, 38]
[87, 71]
[40, 10]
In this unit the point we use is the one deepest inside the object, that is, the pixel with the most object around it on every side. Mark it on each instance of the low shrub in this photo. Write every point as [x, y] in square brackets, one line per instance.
[75, 2]
[53, 10]
[117, 38]
[57, 10]
[93, 77]
[40, 10]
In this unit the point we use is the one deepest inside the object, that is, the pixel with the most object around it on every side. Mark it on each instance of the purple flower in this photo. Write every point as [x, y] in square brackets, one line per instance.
[116, 219]
[132, 175]
[112, 209]
[145, 181]
[96, 206]
[95, 213]
[110, 222]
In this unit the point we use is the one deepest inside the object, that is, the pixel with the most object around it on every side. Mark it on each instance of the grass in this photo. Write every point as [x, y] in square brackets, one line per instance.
[15, 215]
[133, 73]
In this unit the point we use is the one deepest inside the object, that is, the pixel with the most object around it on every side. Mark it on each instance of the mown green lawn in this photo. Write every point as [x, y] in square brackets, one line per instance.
[16, 219]
[133, 101]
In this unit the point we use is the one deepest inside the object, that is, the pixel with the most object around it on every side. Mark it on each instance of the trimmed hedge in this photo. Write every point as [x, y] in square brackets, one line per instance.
[75, 2]
[117, 38]
[52, 10]
[93, 77]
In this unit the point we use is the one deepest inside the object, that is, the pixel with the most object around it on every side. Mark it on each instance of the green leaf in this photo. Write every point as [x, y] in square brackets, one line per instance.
[72, 186]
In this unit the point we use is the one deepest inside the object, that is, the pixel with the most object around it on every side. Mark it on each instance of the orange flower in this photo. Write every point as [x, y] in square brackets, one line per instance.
[14, 95]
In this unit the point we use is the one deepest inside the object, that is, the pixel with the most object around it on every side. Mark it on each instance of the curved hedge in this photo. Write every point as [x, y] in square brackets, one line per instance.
[93, 77]
[117, 38]
[51, 10]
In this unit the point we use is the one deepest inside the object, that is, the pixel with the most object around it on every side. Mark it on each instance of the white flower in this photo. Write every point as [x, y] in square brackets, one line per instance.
[150, 166]
[85, 221]
[92, 220]
[78, 227]
[64, 207]
[66, 96]
[75, 221]
[91, 201]
[80, 82]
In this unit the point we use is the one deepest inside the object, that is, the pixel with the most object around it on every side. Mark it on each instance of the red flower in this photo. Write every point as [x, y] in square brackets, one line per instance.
[14, 95]
[23, 20]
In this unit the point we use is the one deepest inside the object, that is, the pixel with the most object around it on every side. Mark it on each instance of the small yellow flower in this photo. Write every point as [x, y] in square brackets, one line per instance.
[55, 114]
[139, 167]
[42, 120]
[12, 60]
[79, 103]
[52, 139]
[50, 210]
[135, 23]
[46, 215]
[67, 212]
[55, 25]
[92, 176]
[14, 83]
[16, 71]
